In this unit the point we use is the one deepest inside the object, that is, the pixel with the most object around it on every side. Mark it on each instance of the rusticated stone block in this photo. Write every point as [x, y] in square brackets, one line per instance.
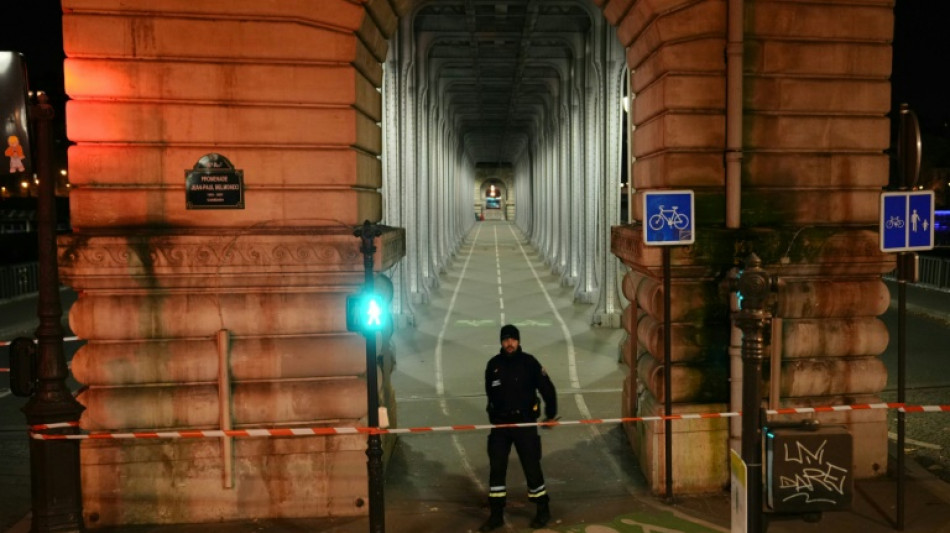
[342, 14]
[174, 482]
[830, 377]
[679, 130]
[817, 133]
[832, 298]
[106, 207]
[92, 165]
[177, 123]
[701, 54]
[700, 449]
[817, 58]
[196, 406]
[696, 20]
[826, 170]
[675, 169]
[691, 342]
[690, 382]
[795, 95]
[158, 36]
[680, 92]
[267, 84]
[833, 337]
[821, 21]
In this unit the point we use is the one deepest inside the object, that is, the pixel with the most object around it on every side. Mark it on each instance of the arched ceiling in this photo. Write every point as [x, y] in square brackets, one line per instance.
[497, 67]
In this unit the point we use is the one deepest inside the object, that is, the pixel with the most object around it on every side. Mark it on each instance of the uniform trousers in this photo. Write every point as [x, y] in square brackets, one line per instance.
[527, 443]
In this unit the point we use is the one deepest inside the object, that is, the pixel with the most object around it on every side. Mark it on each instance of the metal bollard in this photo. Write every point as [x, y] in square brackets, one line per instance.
[756, 299]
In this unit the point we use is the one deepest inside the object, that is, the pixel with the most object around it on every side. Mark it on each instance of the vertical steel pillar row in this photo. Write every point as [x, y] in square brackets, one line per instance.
[608, 310]
[394, 178]
[407, 140]
[564, 195]
[422, 193]
[584, 291]
[577, 169]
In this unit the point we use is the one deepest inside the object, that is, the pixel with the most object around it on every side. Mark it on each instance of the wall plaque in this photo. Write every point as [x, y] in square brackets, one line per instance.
[214, 183]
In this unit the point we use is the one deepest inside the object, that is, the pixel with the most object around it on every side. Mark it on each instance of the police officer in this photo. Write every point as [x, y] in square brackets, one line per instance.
[512, 380]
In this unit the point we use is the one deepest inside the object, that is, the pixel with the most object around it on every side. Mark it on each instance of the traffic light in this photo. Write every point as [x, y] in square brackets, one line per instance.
[367, 312]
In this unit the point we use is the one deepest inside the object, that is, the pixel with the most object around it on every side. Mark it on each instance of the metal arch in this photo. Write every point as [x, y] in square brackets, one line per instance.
[553, 24]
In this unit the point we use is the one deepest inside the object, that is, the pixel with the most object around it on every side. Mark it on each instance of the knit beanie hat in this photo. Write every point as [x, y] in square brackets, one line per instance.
[510, 332]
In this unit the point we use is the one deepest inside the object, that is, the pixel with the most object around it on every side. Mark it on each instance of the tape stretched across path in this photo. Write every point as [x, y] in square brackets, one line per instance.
[35, 431]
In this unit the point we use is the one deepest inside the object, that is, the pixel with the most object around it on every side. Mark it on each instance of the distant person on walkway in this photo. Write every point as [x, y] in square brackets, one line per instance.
[512, 380]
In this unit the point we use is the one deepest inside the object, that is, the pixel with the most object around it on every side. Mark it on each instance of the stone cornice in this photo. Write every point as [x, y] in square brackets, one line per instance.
[184, 259]
[809, 251]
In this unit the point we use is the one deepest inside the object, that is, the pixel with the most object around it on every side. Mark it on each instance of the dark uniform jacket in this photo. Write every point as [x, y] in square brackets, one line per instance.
[510, 384]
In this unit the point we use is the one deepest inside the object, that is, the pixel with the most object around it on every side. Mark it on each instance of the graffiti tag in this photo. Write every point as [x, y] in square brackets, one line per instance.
[818, 480]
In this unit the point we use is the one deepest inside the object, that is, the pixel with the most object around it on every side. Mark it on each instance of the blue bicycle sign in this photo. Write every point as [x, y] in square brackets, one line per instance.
[668, 217]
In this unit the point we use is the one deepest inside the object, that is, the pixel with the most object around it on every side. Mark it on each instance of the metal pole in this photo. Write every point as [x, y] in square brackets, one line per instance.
[54, 464]
[754, 287]
[902, 276]
[753, 351]
[668, 371]
[909, 155]
[374, 449]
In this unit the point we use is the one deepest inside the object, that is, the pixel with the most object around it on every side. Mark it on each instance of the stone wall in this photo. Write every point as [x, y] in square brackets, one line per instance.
[816, 95]
[210, 318]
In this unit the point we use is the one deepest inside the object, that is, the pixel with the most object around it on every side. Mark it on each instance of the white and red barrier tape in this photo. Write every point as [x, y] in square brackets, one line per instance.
[72, 338]
[296, 432]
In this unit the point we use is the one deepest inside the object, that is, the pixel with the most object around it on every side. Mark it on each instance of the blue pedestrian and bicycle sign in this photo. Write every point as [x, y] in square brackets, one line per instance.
[907, 221]
[668, 218]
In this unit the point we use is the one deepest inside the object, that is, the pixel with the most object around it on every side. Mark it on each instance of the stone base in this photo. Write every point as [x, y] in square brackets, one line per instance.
[700, 448]
[167, 482]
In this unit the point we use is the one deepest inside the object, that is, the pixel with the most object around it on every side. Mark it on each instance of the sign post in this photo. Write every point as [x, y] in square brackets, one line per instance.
[368, 313]
[907, 225]
[668, 220]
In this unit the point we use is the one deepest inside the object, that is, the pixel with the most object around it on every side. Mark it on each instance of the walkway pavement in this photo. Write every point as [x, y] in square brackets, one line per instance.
[436, 482]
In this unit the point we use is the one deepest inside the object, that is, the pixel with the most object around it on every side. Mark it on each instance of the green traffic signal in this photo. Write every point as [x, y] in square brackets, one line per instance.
[366, 312]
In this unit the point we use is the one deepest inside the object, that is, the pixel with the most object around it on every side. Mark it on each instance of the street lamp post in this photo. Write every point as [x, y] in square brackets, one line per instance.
[374, 449]
[754, 286]
[54, 464]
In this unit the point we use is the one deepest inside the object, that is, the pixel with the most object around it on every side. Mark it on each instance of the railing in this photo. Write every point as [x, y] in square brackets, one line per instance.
[935, 272]
[16, 280]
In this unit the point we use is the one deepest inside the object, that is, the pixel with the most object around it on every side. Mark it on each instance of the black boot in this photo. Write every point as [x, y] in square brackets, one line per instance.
[542, 516]
[495, 520]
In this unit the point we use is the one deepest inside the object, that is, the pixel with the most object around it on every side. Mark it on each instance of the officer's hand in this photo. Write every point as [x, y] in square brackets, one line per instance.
[550, 422]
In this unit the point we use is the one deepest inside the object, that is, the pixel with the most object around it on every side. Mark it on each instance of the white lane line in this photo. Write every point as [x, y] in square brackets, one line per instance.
[439, 376]
[501, 298]
[568, 339]
[572, 367]
[4, 393]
